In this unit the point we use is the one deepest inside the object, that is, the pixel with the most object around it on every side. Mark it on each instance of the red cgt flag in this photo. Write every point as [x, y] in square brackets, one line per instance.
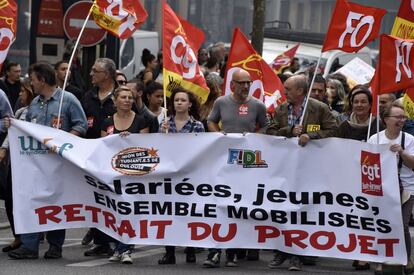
[8, 27]
[283, 60]
[395, 67]
[180, 61]
[266, 84]
[352, 26]
[119, 17]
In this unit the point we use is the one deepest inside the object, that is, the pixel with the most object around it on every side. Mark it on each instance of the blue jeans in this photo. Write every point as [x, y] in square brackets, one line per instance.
[54, 238]
[121, 247]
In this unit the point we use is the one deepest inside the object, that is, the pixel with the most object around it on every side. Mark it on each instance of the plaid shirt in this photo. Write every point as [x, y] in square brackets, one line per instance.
[192, 126]
[292, 118]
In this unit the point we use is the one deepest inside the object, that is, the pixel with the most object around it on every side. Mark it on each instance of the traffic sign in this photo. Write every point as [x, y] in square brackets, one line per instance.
[73, 20]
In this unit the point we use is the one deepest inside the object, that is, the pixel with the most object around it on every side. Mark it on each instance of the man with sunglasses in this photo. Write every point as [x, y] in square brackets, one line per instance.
[239, 113]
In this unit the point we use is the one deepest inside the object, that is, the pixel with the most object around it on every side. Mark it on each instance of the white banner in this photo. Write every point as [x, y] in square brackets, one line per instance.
[334, 197]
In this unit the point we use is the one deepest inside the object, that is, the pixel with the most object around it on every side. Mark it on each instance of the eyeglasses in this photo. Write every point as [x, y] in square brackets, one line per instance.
[121, 82]
[97, 71]
[243, 83]
[399, 117]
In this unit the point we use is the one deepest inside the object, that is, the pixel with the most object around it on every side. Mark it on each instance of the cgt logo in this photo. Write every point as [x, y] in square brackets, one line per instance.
[371, 174]
[247, 158]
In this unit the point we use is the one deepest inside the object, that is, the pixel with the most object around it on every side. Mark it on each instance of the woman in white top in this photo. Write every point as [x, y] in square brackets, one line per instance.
[394, 119]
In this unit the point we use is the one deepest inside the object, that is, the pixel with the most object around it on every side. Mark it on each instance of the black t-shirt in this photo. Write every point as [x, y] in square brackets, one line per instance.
[136, 126]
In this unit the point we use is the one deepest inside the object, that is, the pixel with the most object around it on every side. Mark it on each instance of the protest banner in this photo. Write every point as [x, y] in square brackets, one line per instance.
[252, 191]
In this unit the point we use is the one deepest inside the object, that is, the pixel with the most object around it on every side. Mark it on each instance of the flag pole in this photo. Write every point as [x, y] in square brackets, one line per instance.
[70, 64]
[310, 89]
[163, 69]
[369, 125]
[378, 118]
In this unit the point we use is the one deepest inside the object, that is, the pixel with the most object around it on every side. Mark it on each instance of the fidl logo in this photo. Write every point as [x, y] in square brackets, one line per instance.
[371, 173]
[247, 158]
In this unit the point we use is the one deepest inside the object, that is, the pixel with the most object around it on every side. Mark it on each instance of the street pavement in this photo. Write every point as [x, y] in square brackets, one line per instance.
[145, 261]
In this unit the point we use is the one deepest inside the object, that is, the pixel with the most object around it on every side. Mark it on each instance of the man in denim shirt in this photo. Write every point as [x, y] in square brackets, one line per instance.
[44, 110]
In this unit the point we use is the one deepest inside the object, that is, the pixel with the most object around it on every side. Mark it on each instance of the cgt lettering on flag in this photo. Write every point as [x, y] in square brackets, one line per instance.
[182, 54]
[119, 17]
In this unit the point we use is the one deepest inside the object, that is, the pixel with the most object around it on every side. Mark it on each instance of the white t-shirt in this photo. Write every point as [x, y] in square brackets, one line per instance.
[406, 174]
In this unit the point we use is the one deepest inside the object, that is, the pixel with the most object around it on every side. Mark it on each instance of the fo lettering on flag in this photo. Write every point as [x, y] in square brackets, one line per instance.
[284, 60]
[266, 86]
[352, 26]
[119, 17]
[8, 27]
[395, 66]
[180, 42]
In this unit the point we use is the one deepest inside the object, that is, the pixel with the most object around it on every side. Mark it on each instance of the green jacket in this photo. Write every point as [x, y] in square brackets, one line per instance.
[318, 122]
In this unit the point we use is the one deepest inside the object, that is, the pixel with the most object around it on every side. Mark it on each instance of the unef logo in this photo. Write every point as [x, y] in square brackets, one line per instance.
[31, 146]
[136, 161]
[247, 158]
[371, 173]
[403, 50]
[182, 54]
[363, 22]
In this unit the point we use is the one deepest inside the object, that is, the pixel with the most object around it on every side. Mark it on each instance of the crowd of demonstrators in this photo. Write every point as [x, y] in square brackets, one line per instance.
[117, 105]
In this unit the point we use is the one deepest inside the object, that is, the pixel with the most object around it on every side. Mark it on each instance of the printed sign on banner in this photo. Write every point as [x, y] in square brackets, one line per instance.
[139, 192]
